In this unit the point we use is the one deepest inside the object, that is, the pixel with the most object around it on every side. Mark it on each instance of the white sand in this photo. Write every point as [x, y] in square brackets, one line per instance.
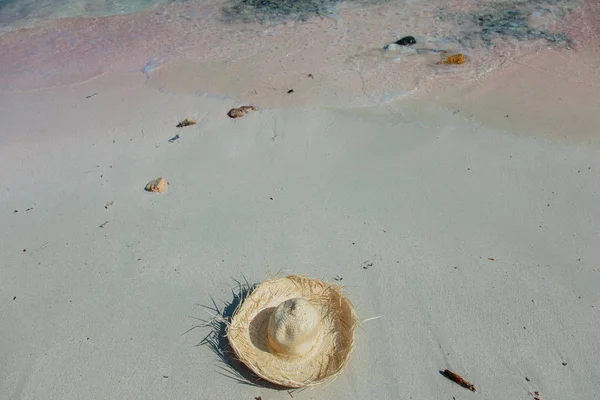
[423, 195]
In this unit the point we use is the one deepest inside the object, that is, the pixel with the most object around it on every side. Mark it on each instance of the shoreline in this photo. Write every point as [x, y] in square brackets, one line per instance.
[340, 46]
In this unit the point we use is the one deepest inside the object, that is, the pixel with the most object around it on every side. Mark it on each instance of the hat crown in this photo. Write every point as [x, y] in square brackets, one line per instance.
[293, 328]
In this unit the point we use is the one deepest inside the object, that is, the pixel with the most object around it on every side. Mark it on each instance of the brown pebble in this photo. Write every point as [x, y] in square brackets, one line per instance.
[157, 185]
[240, 111]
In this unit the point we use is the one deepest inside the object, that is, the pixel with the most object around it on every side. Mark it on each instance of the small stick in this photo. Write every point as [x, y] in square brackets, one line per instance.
[458, 379]
[102, 226]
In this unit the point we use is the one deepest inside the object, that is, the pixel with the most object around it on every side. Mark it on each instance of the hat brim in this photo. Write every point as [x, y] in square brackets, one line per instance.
[247, 332]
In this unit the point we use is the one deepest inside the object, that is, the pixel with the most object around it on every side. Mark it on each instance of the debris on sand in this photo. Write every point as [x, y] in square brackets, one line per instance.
[459, 380]
[186, 122]
[240, 111]
[454, 59]
[406, 41]
[157, 185]
[398, 44]
[174, 138]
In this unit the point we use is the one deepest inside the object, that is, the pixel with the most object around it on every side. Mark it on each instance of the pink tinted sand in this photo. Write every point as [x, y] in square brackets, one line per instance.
[190, 42]
[337, 60]
[552, 93]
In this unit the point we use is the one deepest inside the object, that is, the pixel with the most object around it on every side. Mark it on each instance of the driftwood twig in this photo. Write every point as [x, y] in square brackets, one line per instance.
[458, 379]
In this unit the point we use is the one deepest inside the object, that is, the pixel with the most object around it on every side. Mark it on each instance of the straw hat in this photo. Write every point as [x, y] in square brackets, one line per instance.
[294, 331]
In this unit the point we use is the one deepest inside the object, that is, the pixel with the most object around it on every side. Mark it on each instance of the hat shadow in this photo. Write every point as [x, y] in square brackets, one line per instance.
[216, 339]
[258, 329]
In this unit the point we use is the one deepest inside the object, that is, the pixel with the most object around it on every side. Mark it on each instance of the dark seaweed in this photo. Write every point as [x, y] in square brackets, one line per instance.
[406, 41]
[508, 20]
[276, 10]
[512, 23]
[273, 11]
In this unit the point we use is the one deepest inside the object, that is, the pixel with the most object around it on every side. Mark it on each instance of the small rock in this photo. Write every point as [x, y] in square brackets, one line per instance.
[157, 185]
[406, 41]
[240, 111]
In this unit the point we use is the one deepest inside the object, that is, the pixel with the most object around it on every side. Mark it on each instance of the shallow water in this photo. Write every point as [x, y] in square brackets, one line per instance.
[15, 11]
[262, 44]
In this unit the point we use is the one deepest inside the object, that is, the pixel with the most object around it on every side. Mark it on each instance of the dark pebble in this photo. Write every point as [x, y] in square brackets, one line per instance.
[406, 41]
